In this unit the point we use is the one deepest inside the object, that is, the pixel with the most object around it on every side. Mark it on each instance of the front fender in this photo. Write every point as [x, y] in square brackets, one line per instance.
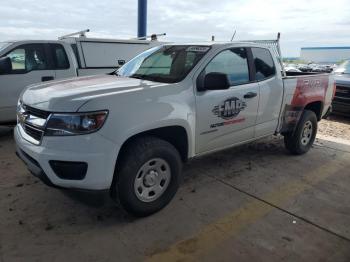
[134, 113]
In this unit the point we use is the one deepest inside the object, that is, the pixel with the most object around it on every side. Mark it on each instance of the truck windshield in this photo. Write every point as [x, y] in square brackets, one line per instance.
[3, 45]
[166, 64]
[343, 68]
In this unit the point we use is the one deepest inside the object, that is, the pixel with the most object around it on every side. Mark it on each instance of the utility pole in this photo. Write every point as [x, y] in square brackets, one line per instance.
[142, 19]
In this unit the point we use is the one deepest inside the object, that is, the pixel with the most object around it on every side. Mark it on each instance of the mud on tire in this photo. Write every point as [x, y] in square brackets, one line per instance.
[301, 140]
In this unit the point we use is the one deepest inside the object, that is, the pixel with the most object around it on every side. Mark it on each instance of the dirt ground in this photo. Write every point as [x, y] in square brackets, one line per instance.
[251, 203]
[335, 126]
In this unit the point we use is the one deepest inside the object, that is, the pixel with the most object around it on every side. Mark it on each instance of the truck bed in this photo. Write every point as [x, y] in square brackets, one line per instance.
[303, 90]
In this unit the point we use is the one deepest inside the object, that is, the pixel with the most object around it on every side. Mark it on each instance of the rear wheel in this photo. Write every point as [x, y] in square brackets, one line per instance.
[301, 140]
[148, 175]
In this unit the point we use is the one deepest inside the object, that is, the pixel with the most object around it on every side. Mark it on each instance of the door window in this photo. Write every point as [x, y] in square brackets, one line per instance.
[59, 56]
[263, 62]
[18, 58]
[233, 63]
[28, 58]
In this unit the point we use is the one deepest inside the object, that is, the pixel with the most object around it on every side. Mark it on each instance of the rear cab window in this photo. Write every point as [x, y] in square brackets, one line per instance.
[263, 62]
[60, 57]
[76, 53]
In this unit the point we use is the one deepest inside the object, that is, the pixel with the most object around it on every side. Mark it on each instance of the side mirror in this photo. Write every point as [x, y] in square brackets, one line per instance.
[121, 62]
[5, 65]
[216, 81]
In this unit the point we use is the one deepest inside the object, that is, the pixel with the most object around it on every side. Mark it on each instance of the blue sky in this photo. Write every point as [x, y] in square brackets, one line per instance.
[302, 23]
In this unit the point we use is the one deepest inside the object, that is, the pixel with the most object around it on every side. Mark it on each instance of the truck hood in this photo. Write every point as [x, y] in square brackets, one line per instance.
[70, 94]
[343, 80]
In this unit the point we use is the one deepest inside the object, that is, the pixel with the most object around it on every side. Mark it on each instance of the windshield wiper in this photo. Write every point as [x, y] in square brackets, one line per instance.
[115, 73]
[139, 76]
[155, 78]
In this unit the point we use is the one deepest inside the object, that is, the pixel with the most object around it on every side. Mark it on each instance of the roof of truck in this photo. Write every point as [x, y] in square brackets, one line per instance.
[217, 43]
[30, 40]
[207, 43]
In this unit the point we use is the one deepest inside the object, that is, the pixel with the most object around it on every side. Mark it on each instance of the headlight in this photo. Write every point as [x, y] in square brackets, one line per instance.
[62, 124]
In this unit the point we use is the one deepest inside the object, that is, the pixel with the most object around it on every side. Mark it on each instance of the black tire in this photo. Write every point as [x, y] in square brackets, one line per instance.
[295, 142]
[138, 154]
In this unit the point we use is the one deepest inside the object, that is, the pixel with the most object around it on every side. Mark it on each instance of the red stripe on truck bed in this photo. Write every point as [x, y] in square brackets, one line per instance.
[310, 89]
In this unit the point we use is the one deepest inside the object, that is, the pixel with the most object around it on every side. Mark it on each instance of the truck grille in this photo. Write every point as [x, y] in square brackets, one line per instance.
[33, 132]
[36, 112]
[342, 92]
[33, 122]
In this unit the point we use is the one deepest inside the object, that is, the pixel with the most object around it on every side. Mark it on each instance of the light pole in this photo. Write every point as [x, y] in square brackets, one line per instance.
[142, 19]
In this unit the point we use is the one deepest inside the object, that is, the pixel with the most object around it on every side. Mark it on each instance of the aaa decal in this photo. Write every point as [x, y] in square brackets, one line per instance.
[229, 108]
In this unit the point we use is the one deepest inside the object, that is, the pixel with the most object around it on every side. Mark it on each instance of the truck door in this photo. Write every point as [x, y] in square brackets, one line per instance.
[29, 65]
[227, 117]
[64, 68]
[270, 89]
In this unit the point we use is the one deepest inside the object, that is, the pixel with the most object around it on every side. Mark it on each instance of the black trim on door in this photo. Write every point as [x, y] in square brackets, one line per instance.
[49, 57]
[251, 65]
[76, 53]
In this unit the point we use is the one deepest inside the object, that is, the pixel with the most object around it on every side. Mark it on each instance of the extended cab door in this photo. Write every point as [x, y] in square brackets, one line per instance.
[30, 64]
[63, 63]
[270, 89]
[227, 117]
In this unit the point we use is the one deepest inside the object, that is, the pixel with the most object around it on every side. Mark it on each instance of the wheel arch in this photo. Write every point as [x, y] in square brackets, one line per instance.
[174, 134]
[316, 107]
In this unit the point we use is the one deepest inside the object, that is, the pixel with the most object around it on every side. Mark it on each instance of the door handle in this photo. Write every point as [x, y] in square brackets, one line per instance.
[46, 78]
[250, 95]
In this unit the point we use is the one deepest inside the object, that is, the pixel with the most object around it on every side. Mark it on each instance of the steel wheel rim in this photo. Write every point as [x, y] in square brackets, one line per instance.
[306, 135]
[152, 179]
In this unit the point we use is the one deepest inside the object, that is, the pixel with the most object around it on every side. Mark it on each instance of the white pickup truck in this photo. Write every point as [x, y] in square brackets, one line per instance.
[130, 131]
[27, 62]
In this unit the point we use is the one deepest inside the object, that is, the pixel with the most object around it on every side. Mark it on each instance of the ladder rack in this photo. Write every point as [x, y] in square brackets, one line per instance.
[274, 45]
[80, 33]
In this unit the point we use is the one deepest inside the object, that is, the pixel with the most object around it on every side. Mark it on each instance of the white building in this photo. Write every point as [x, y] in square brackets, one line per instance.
[325, 54]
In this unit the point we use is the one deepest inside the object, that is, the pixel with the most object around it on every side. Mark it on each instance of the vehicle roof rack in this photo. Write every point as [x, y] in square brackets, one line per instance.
[274, 45]
[80, 33]
[153, 37]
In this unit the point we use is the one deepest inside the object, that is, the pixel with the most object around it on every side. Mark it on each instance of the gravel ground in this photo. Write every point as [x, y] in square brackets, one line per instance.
[335, 126]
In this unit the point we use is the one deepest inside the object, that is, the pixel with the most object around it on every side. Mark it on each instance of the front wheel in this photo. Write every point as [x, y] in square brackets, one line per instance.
[149, 175]
[301, 140]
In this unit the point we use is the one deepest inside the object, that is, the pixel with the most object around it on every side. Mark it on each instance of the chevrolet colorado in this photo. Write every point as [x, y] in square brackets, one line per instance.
[130, 131]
